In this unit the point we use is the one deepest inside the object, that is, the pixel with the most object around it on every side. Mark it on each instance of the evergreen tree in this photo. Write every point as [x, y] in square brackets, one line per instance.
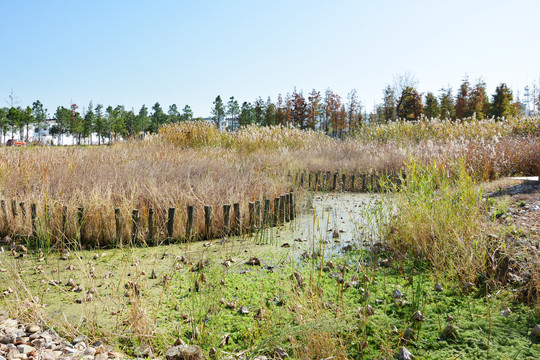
[88, 123]
[246, 114]
[40, 116]
[446, 104]
[141, 120]
[62, 116]
[354, 110]
[187, 113]
[389, 109]
[479, 105]
[258, 111]
[431, 110]
[270, 114]
[502, 102]
[99, 123]
[173, 114]
[218, 112]
[462, 100]
[410, 105]
[157, 118]
[233, 109]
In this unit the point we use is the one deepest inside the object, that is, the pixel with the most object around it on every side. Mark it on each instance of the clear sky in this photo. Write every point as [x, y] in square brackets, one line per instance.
[188, 52]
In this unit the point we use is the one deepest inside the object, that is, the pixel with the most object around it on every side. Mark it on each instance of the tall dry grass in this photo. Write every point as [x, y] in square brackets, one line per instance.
[194, 164]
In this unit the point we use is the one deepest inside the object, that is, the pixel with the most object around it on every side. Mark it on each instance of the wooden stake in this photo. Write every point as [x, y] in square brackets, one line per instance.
[227, 219]
[189, 224]
[170, 222]
[208, 221]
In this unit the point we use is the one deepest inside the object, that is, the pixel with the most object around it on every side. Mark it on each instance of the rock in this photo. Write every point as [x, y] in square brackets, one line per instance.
[184, 352]
[153, 275]
[212, 352]
[259, 315]
[536, 331]
[449, 331]
[438, 287]
[404, 354]
[47, 356]
[397, 294]
[102, 356]
[505, 312]
[408, 334]
[80, 338]
[25, 349]
[144, 351]
[243, 310]
[418, 316]
[280, 353]
[32, 328]
[299, 279]
[253, 261]
[286, 245]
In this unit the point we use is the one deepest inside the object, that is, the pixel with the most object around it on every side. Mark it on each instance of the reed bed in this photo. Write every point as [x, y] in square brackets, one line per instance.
[194, 164]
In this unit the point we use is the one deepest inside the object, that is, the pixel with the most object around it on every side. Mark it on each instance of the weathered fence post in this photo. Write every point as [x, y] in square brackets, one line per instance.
[258, 214]
[208, 221]
[4, 211]
[302, 176]
[343, 180]
[317, 181]
[64, 221]
[363, 182]
[310, 176]
[266, 216]
[251, 216]
[288, 207]
[80, 218]
[282, 209]
[135, 229]
[291, 206]
[151, 226]
[226, 219]
[23, 210]
[33, 215]
[353, 178]
[237, 216]
[334, 187]
[276, 211]
[118, 226]
[170, 222]
[189, 223]
[14, 208]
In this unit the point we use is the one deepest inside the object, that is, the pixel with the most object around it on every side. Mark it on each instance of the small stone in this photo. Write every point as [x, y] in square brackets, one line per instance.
[80, 338]
[47, 356]
[438, 287]
[408, 334]
[449, 331]
[418, 316]
[404, 354]
[153, 275]
[184, 352]
[505, 312]
[243, 310]
[299, 279]
[536, 331]
[253, 261]
[32, 328]
[397, 294]
[102, 356]
[25, 349]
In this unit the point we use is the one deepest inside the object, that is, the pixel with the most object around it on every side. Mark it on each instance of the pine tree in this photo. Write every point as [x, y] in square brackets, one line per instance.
[218, 112]
[462, 100]
[502, 102]
[389, 110]
[446, 104]
[479, 105]
[431, 110]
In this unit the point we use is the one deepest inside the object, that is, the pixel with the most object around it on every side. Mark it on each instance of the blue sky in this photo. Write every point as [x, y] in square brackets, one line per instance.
[188, 52]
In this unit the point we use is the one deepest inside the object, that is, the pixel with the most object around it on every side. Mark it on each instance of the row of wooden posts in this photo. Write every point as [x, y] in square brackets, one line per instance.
[261, 214]
[326, 181]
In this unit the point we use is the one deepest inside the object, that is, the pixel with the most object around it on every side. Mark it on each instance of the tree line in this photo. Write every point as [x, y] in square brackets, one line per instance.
[106, 122]
[335, 115]
[326, 111]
